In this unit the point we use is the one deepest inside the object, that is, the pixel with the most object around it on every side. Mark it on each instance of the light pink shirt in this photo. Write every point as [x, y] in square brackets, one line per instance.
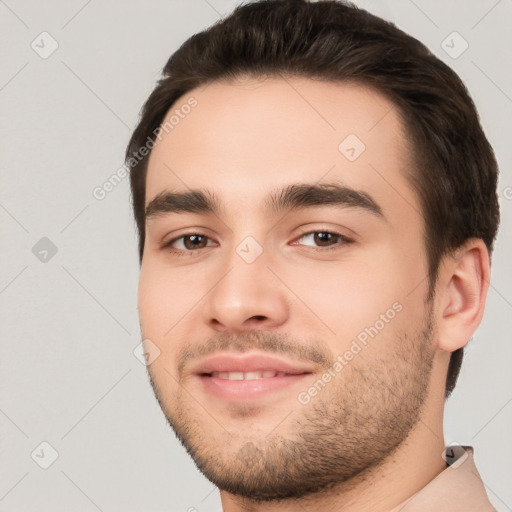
[458, 488]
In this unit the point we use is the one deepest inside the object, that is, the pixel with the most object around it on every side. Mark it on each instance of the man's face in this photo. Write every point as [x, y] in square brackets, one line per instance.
[292, 233]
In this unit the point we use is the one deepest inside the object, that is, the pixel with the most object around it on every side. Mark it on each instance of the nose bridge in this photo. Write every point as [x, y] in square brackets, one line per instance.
[247, 293]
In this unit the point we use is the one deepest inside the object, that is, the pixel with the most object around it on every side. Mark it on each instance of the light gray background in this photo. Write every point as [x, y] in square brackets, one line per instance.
[69, 325]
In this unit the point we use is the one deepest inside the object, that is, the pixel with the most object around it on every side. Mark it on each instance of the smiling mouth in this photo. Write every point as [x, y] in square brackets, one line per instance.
[242, 387]
[255, 375]
[239, 378]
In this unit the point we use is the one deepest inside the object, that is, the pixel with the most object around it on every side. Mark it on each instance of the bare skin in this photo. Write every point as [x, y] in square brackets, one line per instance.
[373, 435]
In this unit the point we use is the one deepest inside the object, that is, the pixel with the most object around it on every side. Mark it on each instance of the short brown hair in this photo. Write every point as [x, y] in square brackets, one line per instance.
[456, 172]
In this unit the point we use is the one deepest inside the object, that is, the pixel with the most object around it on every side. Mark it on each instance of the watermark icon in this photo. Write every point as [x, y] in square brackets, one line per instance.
[101, 191]
[351, 147]
[507, 193]
[356, 346]
[146, 352]
[454, 45]
[454, 455]
[44, 455]
[249, 249]
[44, 45]
[44, 250]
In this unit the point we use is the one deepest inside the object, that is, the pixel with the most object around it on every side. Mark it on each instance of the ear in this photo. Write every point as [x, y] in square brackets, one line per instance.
[461, 292]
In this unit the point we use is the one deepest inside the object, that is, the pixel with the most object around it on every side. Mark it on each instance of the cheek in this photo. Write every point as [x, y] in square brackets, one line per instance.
[169, 300]
[164, 304]
[157, 302]
[152, 302]
[348, 296]
[164, 296]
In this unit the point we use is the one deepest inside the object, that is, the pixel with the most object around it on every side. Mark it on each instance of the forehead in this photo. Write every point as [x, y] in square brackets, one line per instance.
[243, 138]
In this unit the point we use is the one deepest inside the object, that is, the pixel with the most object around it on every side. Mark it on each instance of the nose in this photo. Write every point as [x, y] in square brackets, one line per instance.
[246, 296]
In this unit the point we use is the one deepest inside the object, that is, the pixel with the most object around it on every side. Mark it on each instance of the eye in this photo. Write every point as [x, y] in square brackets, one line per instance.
[320, 239]
[189, 242]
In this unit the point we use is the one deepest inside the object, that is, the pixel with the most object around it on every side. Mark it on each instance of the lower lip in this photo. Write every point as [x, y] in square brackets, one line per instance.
[248, 389]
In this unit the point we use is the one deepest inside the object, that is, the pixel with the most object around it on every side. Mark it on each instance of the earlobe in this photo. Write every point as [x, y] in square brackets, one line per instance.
[462, 290]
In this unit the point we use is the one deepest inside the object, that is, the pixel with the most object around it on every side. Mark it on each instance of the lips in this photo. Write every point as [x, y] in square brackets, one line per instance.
[266, 374]
[243, 378]
[253, 366]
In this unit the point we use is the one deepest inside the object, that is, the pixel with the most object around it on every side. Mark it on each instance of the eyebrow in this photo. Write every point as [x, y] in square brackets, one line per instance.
[292, 197]
[194, 201]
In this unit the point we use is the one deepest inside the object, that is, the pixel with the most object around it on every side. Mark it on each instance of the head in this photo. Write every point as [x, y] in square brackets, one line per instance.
[259, 129]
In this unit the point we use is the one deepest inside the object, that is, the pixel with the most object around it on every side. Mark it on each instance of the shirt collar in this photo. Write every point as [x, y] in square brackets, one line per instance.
[458, 488]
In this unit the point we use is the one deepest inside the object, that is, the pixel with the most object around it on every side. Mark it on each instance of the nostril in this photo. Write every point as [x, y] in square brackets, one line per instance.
[259, 317]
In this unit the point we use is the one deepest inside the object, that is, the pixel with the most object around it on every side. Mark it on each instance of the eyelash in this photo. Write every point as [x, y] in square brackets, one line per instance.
[344, 240]
[182, 252]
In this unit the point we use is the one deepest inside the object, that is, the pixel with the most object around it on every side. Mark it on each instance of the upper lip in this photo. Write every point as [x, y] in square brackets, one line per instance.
[249, 363]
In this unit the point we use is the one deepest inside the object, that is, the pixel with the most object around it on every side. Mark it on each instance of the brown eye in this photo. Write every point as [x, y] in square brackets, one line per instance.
[323, 239]
[192, 242]
[188, 243]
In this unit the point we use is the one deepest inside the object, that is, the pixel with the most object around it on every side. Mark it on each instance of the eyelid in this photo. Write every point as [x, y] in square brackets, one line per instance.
[166, 244]
[344, 240]
[333, 231]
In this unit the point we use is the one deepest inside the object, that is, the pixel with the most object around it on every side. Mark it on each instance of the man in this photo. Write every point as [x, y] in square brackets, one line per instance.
[316, 204]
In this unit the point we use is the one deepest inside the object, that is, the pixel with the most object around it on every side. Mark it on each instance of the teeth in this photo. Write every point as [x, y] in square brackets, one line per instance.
[247, 375]
[254, 375]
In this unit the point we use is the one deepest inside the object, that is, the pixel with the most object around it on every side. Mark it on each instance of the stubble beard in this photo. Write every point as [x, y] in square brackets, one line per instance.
[353, 425]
